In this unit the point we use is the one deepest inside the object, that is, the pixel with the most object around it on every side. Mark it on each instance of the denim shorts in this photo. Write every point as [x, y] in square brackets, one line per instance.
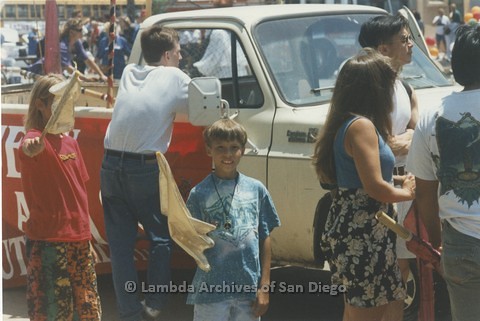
[228, 310]
[461, 265]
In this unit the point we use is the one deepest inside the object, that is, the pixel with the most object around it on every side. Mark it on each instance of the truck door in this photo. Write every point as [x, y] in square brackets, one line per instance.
[225, 51]
[304, 55]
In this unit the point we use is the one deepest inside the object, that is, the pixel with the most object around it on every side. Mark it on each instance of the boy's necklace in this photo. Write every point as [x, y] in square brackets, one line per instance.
[227, 222]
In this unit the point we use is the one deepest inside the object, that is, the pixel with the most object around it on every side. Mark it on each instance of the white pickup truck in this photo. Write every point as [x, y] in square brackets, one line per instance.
[277, 70]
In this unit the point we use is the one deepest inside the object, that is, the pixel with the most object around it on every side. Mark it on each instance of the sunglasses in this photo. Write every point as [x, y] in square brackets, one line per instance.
[406, 38]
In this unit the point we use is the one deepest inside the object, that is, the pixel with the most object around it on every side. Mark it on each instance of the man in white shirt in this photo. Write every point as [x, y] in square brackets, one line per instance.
[445, 159]
[142, 122]
[391, 37]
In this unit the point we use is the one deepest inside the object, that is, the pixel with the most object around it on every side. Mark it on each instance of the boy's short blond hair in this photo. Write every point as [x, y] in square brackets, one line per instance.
[227, 130]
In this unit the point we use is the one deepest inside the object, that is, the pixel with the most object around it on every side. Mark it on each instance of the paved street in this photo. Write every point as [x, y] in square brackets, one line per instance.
[297, 298]
[290, 301]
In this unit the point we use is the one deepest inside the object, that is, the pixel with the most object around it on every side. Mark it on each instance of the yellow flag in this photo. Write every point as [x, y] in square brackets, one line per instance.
[63, 107]
[188, 232]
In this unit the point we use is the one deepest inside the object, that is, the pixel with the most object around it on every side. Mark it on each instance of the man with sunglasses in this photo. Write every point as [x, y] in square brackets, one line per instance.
[390, 35]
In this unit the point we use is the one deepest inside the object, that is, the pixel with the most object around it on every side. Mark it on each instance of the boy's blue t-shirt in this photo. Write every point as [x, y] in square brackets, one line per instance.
[245, 204]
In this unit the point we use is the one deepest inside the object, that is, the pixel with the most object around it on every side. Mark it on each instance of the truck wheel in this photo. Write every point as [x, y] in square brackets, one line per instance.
[410, 308]
[319, 221]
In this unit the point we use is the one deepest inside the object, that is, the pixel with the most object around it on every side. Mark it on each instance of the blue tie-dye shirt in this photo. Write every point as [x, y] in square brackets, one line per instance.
[245, 204]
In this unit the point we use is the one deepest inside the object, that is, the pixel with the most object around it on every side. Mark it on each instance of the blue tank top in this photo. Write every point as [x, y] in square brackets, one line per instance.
[347, 176]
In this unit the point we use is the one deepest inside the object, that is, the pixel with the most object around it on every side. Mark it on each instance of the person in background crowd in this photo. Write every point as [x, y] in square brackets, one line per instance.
[33, 42]
[149, 96]
[216, 60]
[122, 51]
[139, 19]
[71, 45]
[419, 20]
[352, 153]
[61, 279]
[445, 159]
[94, 33]
[127, 29]
[441, 23]
[455, 22]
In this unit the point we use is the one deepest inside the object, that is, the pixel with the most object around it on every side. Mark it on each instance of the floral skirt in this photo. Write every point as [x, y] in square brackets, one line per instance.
[361, 250]
[61, 281]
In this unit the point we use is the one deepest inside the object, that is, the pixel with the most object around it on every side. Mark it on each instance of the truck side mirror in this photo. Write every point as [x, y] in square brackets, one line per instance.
[204, 101]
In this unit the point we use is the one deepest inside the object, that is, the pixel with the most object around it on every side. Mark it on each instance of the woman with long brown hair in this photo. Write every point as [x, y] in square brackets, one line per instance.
[71, 45]
[352, 153]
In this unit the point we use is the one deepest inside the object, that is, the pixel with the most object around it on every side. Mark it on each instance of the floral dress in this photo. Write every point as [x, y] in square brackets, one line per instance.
[360, 249]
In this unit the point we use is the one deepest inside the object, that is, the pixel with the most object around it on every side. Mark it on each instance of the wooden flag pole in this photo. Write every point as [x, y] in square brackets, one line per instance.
[83, 90]
[111, 53]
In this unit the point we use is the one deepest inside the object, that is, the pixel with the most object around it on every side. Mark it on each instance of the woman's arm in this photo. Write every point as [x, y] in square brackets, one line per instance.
[96, 68]
[361, 143]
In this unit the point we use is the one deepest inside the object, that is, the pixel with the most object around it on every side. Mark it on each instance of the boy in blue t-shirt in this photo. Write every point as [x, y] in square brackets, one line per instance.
[237, 286]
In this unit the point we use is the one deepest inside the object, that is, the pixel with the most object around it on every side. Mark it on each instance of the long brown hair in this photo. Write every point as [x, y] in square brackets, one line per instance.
[364, 87]
[40, 90]
[71, 24]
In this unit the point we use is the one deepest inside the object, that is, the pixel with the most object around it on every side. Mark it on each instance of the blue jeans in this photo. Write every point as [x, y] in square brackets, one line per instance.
[228, 310]
[461, 265]
[130, 194]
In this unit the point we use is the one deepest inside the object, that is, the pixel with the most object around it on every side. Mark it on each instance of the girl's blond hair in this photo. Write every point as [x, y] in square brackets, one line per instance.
[40, 90]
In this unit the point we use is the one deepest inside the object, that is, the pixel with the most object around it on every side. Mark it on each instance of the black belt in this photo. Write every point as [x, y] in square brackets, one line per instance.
[400, 170]
[129, 155]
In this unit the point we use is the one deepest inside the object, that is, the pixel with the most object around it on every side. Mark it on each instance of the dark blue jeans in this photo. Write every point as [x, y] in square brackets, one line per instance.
[130, 195]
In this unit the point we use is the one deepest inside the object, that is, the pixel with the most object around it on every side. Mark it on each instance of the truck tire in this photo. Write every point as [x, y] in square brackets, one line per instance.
[411, 303]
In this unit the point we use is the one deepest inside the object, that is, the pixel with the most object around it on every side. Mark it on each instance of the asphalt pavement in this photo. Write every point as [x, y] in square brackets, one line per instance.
[300, 294]
[297, 296]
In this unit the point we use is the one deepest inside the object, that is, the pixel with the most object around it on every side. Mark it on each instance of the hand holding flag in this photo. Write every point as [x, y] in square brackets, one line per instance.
[416, 245]
[63, 112]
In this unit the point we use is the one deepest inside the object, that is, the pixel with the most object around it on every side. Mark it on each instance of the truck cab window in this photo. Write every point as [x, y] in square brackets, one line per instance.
[218, 53]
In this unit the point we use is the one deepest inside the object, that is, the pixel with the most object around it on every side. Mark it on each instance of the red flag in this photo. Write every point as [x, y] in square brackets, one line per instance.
[426, 254]
[416, 245]
[52, 41]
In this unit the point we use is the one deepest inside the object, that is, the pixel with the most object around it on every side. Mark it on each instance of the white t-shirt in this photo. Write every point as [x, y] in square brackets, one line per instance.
[147, 101]
[401, 114]
[440, 23]
[216, 60]
[446, 148]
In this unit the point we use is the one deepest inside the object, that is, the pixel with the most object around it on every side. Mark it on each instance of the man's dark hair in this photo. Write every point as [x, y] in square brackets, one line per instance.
[155, 41]
[380, 30]
[466, 55]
